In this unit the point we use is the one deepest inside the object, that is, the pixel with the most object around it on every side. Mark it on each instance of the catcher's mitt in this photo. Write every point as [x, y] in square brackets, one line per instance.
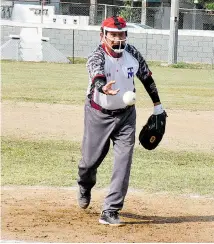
[153, 131]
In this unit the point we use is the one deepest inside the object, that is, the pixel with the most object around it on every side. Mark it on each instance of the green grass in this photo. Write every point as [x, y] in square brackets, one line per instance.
[186, 89]
[54, 163]
[43, 82]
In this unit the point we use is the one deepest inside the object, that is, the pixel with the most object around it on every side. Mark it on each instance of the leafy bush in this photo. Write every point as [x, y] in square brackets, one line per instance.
[209, 6]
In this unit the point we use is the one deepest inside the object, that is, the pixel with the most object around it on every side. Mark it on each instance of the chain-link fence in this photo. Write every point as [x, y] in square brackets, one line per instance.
[155, 17]
[196, 19]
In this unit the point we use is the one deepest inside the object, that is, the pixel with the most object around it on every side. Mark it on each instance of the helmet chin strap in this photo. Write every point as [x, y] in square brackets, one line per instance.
[116, 50]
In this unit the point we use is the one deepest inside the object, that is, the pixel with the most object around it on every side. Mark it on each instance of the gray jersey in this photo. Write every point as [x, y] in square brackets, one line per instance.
[122, 70]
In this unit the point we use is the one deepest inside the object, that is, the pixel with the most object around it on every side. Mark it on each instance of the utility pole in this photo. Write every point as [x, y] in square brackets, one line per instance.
[173, 35]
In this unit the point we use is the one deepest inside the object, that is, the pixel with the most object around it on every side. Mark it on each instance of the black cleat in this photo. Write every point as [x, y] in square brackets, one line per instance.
[110, 218]
[84, 197]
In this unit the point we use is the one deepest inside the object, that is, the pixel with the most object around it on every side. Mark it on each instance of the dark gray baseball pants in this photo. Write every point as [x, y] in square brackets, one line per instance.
[99, 129]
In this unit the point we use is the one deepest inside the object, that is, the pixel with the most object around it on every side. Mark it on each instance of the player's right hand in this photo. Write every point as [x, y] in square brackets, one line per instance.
[107, 89]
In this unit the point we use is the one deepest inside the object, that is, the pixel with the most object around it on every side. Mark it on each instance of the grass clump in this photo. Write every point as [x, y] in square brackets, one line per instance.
[182, 65]
[77, 60]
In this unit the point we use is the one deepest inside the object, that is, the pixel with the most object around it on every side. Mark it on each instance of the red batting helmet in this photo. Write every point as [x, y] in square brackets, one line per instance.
[114, 23]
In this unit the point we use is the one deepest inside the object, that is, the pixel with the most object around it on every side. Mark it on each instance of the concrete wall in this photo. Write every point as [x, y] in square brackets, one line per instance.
[193, 46]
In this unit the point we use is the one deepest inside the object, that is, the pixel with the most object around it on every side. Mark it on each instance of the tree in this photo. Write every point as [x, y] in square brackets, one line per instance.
[126, 11]
[208, 4]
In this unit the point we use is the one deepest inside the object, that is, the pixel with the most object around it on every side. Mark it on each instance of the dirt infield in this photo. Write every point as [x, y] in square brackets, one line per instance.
[37, 214]
[186, 130]
[52, 215]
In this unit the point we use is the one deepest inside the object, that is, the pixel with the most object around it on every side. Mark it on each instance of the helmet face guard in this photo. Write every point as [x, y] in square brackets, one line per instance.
[117, 48]
[115, 24]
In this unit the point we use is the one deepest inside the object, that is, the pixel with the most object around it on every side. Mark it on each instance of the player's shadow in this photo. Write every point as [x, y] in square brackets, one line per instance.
[138, 219]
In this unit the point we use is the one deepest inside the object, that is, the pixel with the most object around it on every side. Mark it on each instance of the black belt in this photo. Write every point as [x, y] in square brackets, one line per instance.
[107, 111]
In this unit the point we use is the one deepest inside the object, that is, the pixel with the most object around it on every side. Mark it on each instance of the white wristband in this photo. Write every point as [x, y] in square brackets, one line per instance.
[158, 109]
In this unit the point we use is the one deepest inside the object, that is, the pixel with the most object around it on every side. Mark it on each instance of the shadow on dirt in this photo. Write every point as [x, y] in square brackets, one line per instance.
[165, 220]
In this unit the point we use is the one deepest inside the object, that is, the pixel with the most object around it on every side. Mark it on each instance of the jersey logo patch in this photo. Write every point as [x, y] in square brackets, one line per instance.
[130, 72]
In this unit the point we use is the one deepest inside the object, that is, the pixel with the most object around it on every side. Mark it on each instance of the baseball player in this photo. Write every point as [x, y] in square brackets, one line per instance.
[111, 67]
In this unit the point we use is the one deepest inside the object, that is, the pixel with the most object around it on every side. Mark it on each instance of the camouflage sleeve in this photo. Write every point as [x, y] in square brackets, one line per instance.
[143, 71]
[95, 64]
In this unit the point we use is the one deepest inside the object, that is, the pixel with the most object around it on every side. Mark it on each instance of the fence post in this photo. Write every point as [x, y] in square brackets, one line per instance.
[93, 12]
[212, 60]
[42, 7]
[146, 46]
[194, 17]
[73, 47]
[105, 5]
[131, 7]
[143, 12]
[173, 35]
